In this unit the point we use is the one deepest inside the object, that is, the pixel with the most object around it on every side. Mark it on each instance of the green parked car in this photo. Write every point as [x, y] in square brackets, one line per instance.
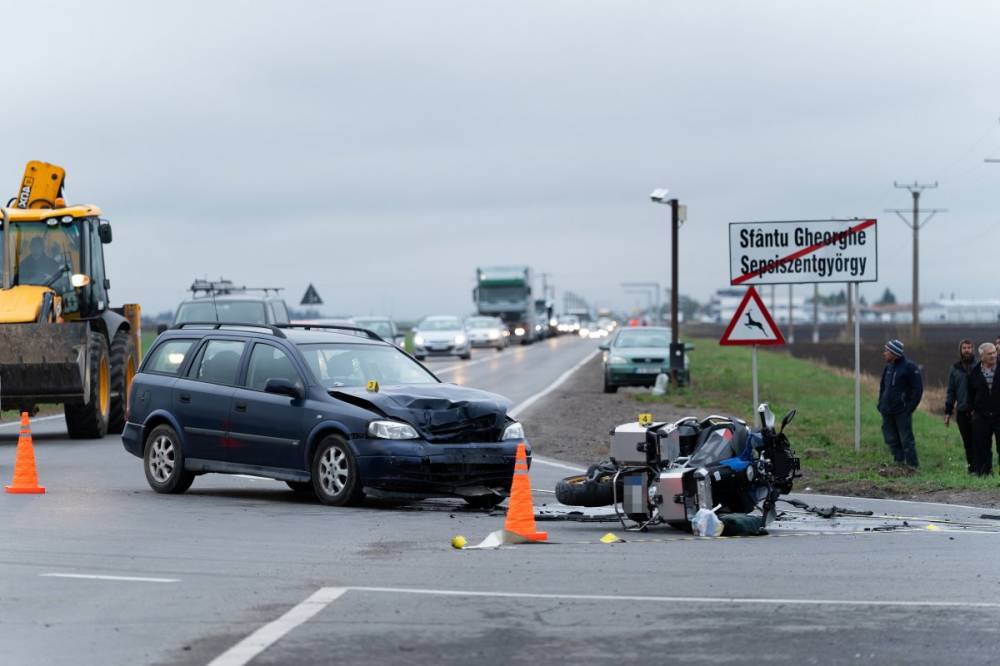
[635, 356]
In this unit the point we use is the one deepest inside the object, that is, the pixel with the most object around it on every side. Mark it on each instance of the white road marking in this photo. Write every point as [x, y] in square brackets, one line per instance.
[703, 600]
[555, 463]
[36, 420]
[134, 579]
[551, 387]
[270, 633]
[463, 364]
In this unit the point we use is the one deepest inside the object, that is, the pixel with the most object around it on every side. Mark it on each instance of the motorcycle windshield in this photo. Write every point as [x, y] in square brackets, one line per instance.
[717, 447]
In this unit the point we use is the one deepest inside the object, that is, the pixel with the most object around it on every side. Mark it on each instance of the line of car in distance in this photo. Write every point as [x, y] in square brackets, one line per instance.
[327, 411]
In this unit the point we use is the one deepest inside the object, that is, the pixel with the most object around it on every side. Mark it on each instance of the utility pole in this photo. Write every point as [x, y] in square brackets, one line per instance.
[815, 312]
[915, 189]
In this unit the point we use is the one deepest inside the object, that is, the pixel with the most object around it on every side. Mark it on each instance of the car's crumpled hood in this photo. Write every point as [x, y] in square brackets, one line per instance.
[429, 406]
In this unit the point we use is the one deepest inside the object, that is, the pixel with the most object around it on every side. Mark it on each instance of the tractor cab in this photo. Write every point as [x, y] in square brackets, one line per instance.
[55, 256]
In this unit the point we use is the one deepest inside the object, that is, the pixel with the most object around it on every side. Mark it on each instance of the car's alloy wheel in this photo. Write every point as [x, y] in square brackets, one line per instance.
[163, 461]
[335, 473]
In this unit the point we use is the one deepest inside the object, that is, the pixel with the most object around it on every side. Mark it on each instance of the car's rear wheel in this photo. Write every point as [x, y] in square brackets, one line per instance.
[466, 356]
[163, 461]
[335, 477]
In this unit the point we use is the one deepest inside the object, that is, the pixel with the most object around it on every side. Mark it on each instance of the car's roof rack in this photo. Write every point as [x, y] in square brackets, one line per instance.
[224, 287]
[218, 325]
[372, 335]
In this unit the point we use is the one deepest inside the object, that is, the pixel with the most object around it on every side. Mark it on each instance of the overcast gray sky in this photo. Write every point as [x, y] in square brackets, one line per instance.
[383, 150]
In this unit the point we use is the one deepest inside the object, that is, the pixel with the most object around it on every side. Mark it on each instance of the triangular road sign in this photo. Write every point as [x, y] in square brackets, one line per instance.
[752, 324]
[311, 297]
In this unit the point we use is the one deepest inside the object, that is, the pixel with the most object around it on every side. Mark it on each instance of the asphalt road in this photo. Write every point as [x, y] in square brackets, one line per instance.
[100, 570]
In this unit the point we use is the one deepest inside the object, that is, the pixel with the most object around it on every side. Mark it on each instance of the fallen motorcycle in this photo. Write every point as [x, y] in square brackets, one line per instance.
[669, 472]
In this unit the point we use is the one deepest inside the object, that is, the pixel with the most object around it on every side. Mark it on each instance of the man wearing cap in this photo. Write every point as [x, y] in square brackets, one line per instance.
[899, 394]
[984, 398]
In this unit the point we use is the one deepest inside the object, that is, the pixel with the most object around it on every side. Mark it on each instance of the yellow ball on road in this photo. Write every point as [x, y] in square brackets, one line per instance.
[458, 541]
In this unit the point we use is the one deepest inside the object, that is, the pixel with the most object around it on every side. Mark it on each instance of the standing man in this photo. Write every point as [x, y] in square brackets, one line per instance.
[984, 398]
[899, 394]
[958, 399]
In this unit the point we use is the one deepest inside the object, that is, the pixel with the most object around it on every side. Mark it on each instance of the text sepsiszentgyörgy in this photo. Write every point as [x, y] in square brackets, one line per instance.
[803, 237]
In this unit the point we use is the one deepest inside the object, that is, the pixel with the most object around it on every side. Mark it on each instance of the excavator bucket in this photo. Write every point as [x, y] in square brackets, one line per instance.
[43, 361]
[41, 186]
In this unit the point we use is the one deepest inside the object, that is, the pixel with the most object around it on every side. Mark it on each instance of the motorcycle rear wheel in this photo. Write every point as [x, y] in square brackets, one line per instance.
[578, 490]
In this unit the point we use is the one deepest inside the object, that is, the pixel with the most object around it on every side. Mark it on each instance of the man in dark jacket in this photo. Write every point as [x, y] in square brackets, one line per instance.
[984, 398]
[899, 394]
[958, 398]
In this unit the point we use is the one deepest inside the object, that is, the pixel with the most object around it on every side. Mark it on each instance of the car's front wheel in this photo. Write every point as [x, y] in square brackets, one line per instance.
[163, 461]
[609, 388]
[335, 475]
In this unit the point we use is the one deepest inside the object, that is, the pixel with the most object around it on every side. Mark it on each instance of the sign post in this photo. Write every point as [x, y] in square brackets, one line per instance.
[809, 251]
[752, 325]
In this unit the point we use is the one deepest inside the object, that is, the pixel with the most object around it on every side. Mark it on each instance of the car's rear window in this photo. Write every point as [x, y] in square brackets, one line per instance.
[241, 312]
[169, 356]
[344, 364]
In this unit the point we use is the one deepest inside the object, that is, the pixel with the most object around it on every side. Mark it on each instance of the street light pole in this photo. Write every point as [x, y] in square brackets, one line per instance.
[674, 325]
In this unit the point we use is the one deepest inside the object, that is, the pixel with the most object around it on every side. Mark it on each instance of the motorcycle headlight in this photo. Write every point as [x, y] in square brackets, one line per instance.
[459, 339]
[615, 359]
[418, 340]
[391, 430]
[514, 431]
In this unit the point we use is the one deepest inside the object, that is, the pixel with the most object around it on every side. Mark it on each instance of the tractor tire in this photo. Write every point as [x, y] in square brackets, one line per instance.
[90, 420]
[124, 364]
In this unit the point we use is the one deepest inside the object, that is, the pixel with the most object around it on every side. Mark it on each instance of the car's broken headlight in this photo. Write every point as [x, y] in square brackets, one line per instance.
[392, 430]
[514, 431]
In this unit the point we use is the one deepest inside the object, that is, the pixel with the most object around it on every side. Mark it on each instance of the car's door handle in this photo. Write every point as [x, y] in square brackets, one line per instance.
[241, 406]
[185, 398]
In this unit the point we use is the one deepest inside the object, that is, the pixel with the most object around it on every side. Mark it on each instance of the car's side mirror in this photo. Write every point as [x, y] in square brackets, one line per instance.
[604, 346]
[104, 232]
[281, 386]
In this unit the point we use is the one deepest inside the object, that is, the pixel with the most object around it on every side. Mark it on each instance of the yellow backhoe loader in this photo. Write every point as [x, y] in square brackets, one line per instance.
[60, 341]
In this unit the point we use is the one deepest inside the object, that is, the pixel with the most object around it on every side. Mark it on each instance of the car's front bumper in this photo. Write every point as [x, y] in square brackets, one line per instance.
[632, 374]
[441, 350]
[419, 467]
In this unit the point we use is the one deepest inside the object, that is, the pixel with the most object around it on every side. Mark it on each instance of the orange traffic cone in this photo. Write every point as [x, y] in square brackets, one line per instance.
[25, 475]
[520, 508]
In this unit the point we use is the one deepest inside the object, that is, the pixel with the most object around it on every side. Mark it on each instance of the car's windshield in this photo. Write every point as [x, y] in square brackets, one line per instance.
[381, 327]
[482, 322]
[338, 364]
[443, 324]
[639, 338]
[46, 255]
[242, 312]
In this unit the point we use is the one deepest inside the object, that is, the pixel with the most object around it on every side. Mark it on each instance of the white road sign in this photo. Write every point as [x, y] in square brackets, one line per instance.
[803, 252]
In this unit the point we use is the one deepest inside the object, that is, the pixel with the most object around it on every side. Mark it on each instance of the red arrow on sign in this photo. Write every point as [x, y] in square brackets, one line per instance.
[752, 324]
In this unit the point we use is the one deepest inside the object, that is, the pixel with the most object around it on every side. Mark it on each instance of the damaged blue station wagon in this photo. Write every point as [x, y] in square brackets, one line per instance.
[334, 411]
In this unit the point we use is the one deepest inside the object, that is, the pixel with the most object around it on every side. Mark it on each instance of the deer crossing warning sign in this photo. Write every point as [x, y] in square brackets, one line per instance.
[752, 324]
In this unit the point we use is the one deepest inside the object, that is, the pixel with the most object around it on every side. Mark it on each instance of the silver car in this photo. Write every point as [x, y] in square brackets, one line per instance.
[384, 327]
[487, 332]
[441, 336]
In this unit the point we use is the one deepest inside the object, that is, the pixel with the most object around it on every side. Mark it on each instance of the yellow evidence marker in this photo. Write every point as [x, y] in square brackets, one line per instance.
[645, 419]
[372, 386]
[458, 542]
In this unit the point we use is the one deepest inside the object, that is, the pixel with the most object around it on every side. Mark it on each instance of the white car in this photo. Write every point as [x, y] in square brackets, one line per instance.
[441, 336]
[486, 332]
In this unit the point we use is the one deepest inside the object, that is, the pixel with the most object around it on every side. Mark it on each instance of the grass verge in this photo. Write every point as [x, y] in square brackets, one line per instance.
[822, 433]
